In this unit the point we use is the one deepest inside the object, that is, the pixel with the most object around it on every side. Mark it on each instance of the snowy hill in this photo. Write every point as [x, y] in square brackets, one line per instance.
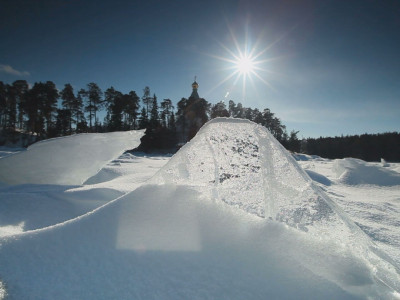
[212, 223]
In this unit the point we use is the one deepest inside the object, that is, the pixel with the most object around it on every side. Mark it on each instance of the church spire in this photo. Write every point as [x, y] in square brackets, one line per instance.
[195, 86]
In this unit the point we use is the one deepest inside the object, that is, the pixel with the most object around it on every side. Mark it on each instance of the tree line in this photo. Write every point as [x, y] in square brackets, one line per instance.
[368, 147]
[42, 111]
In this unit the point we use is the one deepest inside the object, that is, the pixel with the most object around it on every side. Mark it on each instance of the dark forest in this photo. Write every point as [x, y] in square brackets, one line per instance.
[29, 114]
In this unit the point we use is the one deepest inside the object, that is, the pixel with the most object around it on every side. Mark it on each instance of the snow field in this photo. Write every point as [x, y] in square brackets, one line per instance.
[34, 206]
[200, 228]
[167, 242]
[359, 188]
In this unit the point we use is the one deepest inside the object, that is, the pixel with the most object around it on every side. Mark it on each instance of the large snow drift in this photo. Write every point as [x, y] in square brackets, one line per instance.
[68, 160]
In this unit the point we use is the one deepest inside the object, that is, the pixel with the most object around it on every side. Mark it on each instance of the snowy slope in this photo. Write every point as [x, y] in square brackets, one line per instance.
[33, 206]
[200, 229]
[167, 243]
[68, 160]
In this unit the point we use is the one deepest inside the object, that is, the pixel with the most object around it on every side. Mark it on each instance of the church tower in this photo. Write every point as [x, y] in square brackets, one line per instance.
[195, 86]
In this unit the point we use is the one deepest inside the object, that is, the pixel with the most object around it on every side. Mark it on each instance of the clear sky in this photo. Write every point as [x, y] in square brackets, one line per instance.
[325, 68]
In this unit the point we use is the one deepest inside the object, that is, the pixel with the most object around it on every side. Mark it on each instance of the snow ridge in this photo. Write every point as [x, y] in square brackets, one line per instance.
[68, 160]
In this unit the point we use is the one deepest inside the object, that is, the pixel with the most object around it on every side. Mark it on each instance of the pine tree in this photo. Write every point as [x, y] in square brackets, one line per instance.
[3, 104]
[21, 88]
[68, 103]
[144, 121]
[172, 123]
[49, 103]
[11, 107]
[219, 110]
[132, 108]
[63, 122]
[109, 98]
[94, 95]
[147, 100]
[154, 118]
[166, 111]
[35, 122]
[117, 107]
[181, 122]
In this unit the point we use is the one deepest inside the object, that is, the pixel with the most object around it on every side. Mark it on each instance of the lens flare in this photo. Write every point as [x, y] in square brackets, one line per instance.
[246, 62]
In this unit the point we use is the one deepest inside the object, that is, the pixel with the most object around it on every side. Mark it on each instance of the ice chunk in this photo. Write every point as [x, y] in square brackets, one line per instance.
[68, 160]
[243, 165]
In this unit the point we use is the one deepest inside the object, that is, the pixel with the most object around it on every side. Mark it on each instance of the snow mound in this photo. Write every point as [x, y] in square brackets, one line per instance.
[352, 171]
[68, 160]
[166, 242]
[240, 163]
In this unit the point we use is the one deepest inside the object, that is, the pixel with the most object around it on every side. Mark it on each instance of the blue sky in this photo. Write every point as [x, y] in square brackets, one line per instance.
[328, 67]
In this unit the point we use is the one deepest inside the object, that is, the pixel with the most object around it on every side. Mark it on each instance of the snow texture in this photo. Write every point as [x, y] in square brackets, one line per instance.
[82, 156]
[165, 242]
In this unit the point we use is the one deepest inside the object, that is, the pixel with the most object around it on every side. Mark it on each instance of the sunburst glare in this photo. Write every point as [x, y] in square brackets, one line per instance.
[246, 63]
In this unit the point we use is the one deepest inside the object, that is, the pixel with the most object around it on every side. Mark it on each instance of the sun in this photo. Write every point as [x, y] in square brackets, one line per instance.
[245, 65]
[244, 62]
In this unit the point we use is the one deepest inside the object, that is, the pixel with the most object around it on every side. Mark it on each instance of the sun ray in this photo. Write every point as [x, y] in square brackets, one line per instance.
[264, 81]
[235, 41]
[223, 81]
[281, 37]
[245, 61]
[228, 50]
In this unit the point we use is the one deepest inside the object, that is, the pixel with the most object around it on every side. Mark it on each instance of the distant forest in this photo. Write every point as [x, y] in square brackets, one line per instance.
[29, 114]
[368, 147]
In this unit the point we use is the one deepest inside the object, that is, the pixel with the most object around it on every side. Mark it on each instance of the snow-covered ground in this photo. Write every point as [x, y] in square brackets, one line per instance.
[231, 216]
[34, 206]
[368, 192]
